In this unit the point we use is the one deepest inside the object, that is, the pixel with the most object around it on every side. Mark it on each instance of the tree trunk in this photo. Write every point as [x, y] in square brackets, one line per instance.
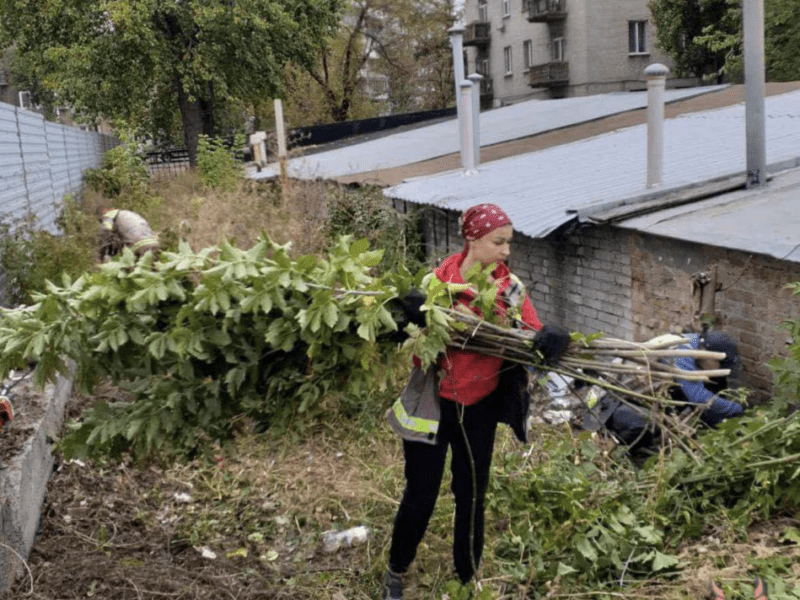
[197, 117]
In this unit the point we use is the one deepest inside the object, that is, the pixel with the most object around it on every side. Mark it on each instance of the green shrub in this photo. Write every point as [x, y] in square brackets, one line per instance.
[364, 213]
[121, 173]
[29, 256]
[216, 163]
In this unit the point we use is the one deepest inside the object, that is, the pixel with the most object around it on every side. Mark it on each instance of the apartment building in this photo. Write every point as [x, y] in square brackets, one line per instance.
[558, 48]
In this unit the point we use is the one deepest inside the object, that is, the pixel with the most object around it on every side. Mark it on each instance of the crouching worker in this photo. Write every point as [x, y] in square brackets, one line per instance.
[124, 228]
[630, 424]
[461, 409]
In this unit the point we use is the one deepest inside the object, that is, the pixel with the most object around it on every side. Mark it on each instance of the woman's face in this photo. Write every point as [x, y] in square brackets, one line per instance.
[494, 247]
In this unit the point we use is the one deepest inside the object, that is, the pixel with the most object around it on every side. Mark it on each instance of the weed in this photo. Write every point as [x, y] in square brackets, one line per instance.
[29, 256]
[217, 164]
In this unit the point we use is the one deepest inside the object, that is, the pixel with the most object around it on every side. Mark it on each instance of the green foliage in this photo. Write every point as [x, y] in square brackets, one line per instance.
[202, 339]
[590, 520]
[680, 26]
[29, 257]
[704, 37]
[128, 60]
[216, 163]
[364, 213]
[121, 174]
[577, 516]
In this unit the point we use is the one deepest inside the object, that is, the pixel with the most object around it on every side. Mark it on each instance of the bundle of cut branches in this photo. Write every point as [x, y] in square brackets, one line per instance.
[635, 373]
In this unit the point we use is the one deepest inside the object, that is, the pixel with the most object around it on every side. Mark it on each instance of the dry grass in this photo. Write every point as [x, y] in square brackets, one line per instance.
[204, 217]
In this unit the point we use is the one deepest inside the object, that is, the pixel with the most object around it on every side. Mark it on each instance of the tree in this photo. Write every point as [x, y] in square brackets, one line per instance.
[127, 59]
[420, 67]
[404, 41]
[704, 37]
[681, 28]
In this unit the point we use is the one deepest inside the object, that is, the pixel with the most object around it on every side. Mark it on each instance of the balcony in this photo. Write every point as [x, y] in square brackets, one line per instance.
[477, 33]
[540, 11]
[549, 75]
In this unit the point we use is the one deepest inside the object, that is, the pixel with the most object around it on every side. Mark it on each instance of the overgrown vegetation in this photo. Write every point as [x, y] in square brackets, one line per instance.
[213, 341]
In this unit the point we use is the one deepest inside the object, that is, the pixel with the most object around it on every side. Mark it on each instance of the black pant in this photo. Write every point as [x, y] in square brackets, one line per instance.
[424, 467]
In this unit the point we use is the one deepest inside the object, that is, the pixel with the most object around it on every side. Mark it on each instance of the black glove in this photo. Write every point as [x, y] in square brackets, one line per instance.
[407, 310]
[552, 342]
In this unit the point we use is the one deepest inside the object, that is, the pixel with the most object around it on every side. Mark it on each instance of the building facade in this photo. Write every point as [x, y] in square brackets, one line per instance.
[541, 49]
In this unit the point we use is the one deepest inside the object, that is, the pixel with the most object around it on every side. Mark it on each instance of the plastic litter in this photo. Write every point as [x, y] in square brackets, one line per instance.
[336, 540]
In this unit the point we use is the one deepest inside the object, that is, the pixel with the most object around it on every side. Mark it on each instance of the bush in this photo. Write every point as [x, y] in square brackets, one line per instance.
[29, 257]
[216, 163]
[365, 213]
[121, 173]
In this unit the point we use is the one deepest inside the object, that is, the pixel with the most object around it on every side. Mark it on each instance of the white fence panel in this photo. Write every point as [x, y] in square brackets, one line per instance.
[59, 169]
[41, 199]
[40, 163]
[13, 195]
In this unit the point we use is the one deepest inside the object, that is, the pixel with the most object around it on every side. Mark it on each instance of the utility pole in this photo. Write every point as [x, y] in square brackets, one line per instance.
[754, 76]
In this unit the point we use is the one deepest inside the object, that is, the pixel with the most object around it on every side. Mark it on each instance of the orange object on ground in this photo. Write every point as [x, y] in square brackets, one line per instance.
[6, 411]
[760, 589]
[715, 591]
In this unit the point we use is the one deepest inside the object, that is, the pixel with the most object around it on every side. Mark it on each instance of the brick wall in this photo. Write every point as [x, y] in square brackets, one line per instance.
[636, 286]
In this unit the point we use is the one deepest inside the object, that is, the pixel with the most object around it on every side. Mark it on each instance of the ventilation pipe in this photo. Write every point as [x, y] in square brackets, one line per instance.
[466, 127]
[754, 76]
[476, 79]
[457, 42]
[656, 82]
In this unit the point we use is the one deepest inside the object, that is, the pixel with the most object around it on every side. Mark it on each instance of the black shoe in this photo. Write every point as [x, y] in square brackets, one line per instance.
[392, 586]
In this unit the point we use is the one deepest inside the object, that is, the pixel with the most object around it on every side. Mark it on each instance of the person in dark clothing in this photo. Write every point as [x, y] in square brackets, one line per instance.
[630, 425]
[461, 410]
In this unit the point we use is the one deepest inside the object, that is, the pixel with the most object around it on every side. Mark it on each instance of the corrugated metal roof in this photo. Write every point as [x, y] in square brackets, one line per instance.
[499, 125]
[543, 190]
[763, 220]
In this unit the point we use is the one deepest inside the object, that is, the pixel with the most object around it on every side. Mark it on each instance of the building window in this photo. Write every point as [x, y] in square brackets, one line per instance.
[558, 49]
[506, 8]
[527, 53]
[483, 11]
[637, 37]
[507, 60]
[482, 65]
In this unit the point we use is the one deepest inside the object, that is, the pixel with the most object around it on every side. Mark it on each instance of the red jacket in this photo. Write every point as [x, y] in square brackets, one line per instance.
[471, 376]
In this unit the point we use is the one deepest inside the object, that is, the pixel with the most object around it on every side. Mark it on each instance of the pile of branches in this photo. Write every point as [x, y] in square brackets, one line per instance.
[638, 374]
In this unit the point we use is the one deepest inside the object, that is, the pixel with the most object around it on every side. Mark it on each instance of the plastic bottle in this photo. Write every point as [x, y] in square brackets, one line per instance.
[335, 540]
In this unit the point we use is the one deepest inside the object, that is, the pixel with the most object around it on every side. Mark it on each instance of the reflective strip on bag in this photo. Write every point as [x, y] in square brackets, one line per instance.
[416, 424]
[145, 242]
[108, 219]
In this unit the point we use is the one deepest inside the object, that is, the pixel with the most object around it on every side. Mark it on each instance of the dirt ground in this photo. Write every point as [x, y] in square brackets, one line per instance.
[28, 406]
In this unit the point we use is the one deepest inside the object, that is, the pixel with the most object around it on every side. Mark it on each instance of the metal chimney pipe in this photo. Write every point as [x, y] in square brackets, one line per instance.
[466, 128]
[656, 82]
[754, 90]
[476, 78]
[457, 42]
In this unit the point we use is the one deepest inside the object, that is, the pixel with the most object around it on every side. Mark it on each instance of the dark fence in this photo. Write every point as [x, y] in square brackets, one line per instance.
[331, 132]
[167, 163]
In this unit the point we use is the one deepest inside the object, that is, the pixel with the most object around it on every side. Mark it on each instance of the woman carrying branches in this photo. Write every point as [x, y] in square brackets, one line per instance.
[461, 409]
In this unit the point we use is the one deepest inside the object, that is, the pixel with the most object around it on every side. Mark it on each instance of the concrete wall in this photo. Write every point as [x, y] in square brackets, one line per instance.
[635, 286]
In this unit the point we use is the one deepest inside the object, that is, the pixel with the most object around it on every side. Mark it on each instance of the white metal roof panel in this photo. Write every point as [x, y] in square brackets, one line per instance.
[764, 220]
[542, 190]
[499, 125]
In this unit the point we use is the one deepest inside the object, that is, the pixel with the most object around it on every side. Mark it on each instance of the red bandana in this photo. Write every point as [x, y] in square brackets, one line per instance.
[481, 219]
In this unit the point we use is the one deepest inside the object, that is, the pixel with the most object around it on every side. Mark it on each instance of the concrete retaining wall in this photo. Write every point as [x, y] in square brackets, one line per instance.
[23, 482]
